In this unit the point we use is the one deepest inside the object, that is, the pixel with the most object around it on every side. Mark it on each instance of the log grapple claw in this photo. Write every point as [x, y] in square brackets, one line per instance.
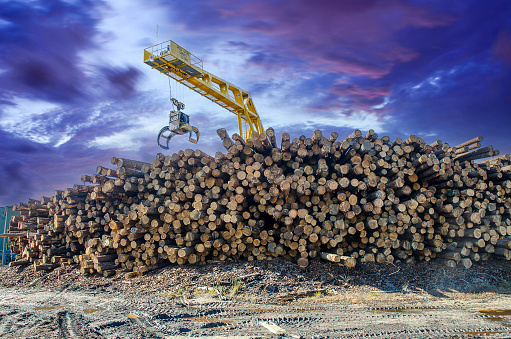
[164, 137]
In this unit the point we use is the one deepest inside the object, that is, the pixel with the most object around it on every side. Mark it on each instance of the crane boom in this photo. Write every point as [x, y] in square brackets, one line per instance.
[176, 62]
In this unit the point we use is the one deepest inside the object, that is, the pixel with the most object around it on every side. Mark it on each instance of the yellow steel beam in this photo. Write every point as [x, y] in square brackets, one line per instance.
[174, 61]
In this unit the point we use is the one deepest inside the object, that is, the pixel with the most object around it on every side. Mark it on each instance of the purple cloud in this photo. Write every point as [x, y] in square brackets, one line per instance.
[374, 45]
[502, 46]
[41, 43]
[40, 56]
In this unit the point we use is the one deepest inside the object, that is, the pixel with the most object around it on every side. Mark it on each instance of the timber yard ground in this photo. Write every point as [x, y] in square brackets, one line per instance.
[236, 298]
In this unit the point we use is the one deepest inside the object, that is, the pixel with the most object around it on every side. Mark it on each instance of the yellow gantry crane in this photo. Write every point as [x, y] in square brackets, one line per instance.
[176, 62]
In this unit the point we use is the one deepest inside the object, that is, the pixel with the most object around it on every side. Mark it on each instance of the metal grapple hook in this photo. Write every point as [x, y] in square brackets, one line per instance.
[196, 131]
[163, 138]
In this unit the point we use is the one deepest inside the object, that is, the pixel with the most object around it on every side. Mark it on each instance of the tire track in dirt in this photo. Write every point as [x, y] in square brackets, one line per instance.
[398, 323]
[154, 316]
[8, 320]
[67, 325]
[5, 326]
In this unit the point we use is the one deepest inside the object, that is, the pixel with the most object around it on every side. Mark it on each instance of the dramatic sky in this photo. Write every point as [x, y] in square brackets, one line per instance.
[74, 90]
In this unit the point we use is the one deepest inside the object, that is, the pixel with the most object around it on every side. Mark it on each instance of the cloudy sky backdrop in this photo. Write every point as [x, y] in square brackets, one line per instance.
[74, 90]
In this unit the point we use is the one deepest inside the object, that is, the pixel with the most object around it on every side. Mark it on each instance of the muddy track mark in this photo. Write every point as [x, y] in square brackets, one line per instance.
[6, 326]
[10, 320]
[67, 326]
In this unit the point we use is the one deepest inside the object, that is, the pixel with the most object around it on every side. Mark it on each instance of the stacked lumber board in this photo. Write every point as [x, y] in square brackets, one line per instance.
[359, 199]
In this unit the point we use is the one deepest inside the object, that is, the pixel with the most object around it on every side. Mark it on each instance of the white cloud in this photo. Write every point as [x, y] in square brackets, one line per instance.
[66, 137]
[122, 140]
[4, 22]
[18, 119]
[130, 139]
[434, 81]
[386, 100]
[22, 111]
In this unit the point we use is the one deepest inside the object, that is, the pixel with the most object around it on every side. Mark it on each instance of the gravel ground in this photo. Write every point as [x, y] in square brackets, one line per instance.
[234, 299]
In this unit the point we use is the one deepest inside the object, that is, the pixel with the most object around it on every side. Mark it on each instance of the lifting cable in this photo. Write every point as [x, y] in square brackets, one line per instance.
[170, 94]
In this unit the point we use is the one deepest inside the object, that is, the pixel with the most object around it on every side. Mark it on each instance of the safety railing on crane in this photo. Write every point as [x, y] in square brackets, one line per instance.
[170, 46]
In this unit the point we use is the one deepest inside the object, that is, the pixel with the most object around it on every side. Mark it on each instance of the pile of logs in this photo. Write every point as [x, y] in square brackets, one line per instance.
[361, 199]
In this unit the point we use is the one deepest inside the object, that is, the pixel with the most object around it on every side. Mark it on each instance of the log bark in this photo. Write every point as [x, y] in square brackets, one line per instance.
[363, 198]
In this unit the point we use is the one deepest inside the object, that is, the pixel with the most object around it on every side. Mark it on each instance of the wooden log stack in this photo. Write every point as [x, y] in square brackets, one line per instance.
[360, 199]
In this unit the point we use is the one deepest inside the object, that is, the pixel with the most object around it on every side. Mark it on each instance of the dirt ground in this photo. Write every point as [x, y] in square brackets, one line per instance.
[243, 299]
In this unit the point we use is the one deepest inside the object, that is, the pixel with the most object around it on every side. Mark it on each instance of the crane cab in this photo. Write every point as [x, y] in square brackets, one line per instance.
[178, 121]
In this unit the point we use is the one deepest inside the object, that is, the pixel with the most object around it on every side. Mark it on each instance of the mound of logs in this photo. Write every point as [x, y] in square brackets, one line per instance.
[361, 199]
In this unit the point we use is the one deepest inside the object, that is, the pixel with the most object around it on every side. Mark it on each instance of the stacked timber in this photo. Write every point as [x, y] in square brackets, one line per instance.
[360, 199]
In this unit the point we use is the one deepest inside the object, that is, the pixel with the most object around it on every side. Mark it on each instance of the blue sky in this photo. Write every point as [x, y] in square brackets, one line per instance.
[74, 90]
